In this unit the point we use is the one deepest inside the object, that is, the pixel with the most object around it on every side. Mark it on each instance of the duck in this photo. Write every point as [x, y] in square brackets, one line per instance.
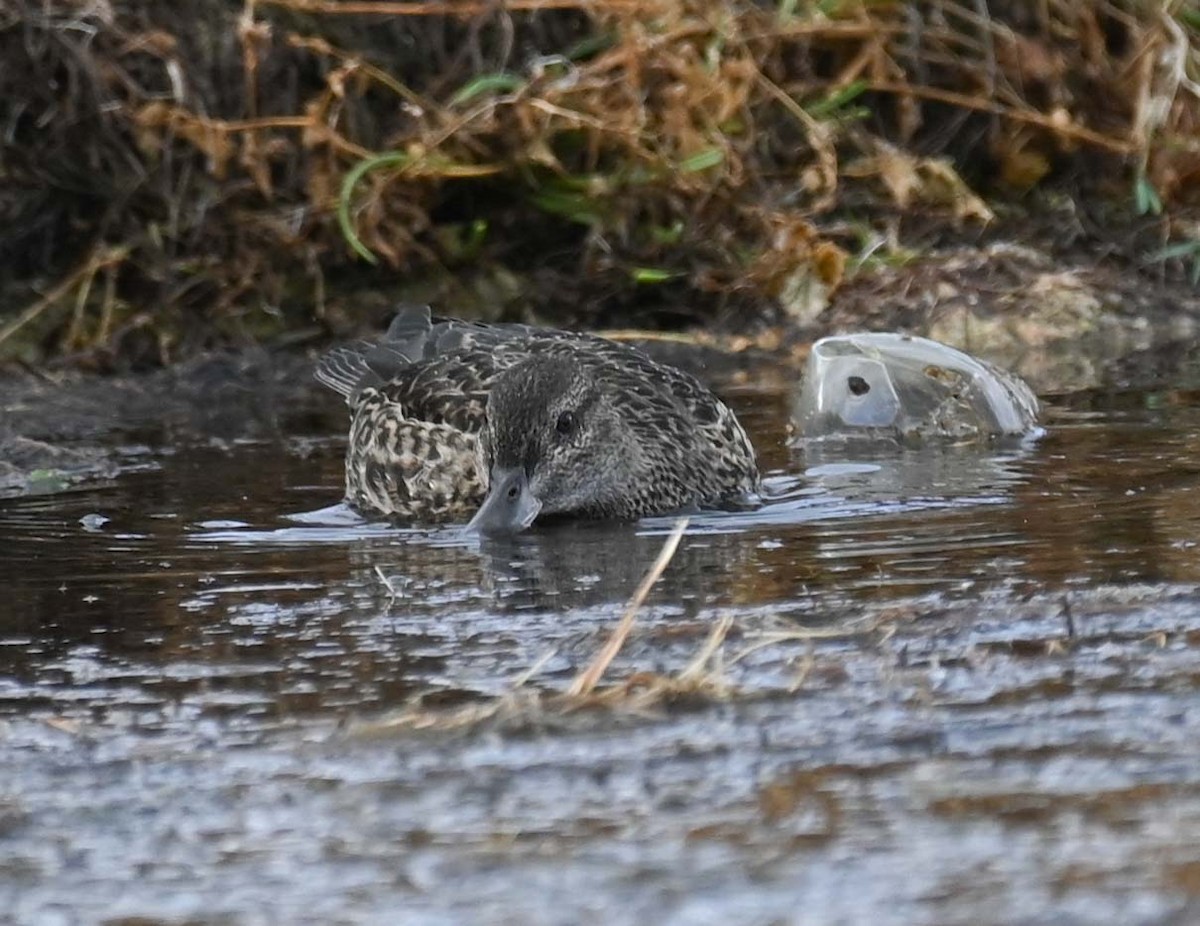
[508, 424]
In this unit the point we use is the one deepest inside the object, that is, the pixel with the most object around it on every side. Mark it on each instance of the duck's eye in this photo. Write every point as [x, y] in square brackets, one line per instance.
[567, 424]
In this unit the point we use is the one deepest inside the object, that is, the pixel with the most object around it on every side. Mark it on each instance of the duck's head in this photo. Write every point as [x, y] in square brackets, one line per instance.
[554, 442]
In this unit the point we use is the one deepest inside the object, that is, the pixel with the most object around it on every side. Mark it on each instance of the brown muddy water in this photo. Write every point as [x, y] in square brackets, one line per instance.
[957, 687]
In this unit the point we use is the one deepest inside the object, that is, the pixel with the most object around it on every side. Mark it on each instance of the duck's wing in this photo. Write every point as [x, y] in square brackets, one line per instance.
[453, 386]
[441, 369]
[451, 389]
[416, 337]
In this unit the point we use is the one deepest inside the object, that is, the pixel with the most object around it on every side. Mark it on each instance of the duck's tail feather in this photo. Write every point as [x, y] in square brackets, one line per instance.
[343, 368]
[407, 333]
[350, 368]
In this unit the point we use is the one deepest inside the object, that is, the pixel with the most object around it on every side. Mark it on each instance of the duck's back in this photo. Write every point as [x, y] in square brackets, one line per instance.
[442, 369]
[439, 369]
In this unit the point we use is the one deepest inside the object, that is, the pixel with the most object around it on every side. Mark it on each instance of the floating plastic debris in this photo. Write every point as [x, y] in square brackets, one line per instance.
[908, 389]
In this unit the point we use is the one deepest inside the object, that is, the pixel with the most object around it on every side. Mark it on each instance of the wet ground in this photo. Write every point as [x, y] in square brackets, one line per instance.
[926, 687]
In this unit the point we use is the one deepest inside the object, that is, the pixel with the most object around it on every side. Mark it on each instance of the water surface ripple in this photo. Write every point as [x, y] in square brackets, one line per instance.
[958, 686]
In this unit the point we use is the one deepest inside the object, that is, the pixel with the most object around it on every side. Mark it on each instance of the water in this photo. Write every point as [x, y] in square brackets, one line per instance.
[956, 687]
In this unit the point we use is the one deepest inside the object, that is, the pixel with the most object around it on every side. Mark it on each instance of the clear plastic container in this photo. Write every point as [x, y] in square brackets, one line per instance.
[907, 389]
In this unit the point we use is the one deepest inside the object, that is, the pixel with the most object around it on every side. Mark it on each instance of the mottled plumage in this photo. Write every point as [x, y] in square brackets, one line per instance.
[551, 422]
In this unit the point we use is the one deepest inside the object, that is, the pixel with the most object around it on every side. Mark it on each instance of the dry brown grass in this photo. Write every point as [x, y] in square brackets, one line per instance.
[247, 164]
[704, 677]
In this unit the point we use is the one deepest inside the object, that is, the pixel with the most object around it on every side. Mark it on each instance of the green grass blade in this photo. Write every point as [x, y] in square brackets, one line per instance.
[1178, 249]
[568, 205]
[1145, 197]
[823, 109]
[593, 44]
[488, 83]
[349, 182]
[703, 160]
[653, 275]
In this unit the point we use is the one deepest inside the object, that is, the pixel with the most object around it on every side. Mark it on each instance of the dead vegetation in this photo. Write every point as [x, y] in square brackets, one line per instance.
[703, 678]
[174, 175]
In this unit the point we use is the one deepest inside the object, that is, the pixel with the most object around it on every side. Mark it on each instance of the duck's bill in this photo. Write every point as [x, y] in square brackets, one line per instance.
[510, 505]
